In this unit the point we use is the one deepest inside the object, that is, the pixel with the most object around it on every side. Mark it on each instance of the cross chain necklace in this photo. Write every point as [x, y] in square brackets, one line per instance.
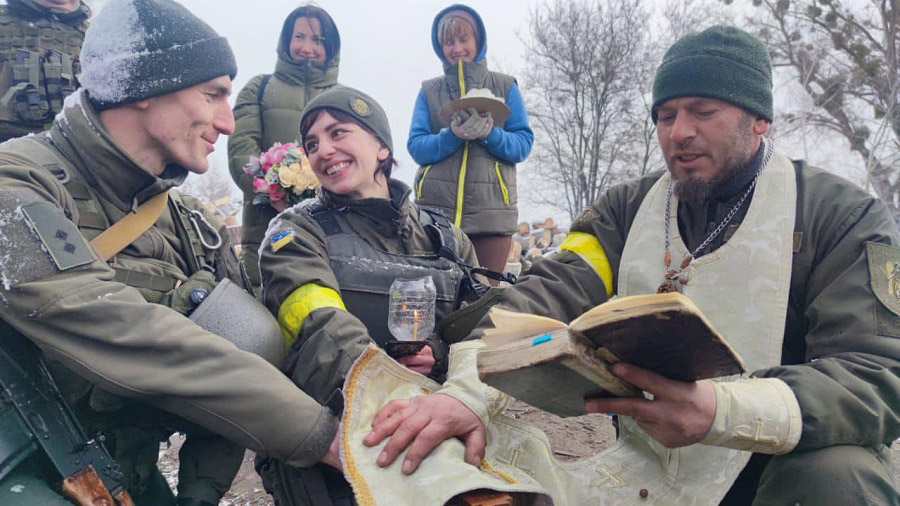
[668, 284]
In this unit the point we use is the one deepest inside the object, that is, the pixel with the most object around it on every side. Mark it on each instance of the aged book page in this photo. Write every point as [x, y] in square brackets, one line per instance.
[555, 366]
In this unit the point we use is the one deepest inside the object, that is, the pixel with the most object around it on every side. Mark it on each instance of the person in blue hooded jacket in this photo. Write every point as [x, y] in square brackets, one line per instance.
[467, 164]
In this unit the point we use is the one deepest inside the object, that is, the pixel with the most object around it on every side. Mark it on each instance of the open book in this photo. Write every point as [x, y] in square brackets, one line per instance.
[554, 366]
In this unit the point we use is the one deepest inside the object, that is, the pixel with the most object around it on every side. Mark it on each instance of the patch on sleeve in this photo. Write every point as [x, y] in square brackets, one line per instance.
[281, 238]
[884, 277]
[58, 234]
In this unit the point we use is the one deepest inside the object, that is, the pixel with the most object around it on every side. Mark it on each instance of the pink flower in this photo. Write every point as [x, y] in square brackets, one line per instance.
[260, 185]
[265, 160]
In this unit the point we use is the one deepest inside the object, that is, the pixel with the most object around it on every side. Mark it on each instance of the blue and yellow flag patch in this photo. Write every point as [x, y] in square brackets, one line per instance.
[281, 238]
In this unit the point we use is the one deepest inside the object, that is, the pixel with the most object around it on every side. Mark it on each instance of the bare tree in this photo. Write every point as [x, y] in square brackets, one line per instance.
[844, 57]
[589, 74]
[214, 187]
[585, 76]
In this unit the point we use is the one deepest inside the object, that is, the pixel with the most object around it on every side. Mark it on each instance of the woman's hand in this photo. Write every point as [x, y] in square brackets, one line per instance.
[422, 362]
[470, 125]
[279, 205]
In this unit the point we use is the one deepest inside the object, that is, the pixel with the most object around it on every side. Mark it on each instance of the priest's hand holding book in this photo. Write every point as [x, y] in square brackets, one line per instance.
[679, 414]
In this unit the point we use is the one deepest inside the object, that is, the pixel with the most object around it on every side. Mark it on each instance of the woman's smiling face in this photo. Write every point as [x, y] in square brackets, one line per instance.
[345, 156]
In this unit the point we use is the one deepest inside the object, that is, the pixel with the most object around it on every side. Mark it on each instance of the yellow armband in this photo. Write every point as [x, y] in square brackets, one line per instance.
[589, 249]
[300, 303]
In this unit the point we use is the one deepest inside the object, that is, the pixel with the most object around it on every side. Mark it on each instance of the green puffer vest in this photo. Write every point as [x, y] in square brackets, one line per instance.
[281, 98]
[38, 64]
[476, 190]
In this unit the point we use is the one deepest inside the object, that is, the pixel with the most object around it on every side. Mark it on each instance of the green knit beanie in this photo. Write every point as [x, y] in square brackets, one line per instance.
[720, 62]
[358, 105]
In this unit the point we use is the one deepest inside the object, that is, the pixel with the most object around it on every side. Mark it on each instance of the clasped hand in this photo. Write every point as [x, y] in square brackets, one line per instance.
[469, 124]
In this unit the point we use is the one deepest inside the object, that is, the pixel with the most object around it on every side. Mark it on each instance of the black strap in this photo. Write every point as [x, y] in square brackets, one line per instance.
[323, 216]
[439, 230]
[259, 98]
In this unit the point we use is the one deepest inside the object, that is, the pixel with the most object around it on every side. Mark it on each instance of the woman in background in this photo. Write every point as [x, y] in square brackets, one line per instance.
[268, 108]
[468, 164]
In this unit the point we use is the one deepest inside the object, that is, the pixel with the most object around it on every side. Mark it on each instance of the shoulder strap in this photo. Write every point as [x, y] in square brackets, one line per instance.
[124, 232]
[259, 100]
[437, 226]
[323, 216]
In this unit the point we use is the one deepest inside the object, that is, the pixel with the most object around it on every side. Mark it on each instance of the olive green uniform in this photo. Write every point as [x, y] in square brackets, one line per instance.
[121, 361]
[840, 354]
[263, 118]
[38, 64]
[330, 338]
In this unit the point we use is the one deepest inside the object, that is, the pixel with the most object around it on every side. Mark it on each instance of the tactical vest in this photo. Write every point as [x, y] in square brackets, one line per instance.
[365, 273]
[476, 190]
[42, 57]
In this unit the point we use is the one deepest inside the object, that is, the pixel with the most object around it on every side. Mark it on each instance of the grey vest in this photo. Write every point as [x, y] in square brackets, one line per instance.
[365, 273]
[487, 205]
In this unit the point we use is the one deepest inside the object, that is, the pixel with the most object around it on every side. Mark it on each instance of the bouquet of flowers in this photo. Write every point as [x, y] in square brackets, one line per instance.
[281, 176]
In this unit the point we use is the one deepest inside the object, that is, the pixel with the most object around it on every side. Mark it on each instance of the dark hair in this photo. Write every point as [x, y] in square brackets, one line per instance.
[385, 166]
[329, 29]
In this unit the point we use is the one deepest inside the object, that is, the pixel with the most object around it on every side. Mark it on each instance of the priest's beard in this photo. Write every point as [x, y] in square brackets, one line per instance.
[735, 158]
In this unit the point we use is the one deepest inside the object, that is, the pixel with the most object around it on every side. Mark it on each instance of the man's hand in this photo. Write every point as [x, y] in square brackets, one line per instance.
[333, 456]
[425, 421]
[422, 362]
[680, 413]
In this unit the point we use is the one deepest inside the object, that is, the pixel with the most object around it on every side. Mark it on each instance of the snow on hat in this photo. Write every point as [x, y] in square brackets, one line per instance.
[138, 49]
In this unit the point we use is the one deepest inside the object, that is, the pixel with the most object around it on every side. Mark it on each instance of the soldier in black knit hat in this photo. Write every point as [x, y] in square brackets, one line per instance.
[102, 261]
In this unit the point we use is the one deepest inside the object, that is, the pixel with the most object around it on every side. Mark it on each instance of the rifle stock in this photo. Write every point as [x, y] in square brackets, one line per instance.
[85, 488]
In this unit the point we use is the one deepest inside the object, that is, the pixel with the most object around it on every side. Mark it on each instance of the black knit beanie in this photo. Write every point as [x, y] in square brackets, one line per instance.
[138, 49]
[720, 62]
[358, 105]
